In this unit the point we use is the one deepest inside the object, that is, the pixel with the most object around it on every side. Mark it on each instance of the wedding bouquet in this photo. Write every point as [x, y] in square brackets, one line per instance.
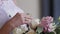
[46, 25]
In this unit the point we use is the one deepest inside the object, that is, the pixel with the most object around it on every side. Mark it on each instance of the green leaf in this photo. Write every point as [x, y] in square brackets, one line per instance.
[51, 33]
[39, 29]
[57, 31]
[59, 19]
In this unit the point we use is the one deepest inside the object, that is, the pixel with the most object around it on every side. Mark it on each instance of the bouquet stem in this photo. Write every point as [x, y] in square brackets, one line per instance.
[54, 32]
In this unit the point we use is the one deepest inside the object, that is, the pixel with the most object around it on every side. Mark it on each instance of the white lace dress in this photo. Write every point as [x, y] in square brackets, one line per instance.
[7, 10]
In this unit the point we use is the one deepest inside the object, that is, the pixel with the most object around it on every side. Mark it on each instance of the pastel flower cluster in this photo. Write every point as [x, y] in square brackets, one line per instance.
[47, 24]
[37, 26]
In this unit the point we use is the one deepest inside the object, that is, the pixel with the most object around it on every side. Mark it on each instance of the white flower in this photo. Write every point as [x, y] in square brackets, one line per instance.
[17, 31]
[21, 29]
[24, 27]
[52, 27]
[35, 23]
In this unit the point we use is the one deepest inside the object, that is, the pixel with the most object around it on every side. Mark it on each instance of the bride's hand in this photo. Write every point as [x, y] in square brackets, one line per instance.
[15, 22]
[23, 19]
[27, 18]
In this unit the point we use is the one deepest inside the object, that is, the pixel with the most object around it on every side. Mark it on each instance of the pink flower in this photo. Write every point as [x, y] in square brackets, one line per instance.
[45, 22]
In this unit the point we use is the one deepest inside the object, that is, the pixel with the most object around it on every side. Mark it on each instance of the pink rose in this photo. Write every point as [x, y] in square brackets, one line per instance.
[46, 21]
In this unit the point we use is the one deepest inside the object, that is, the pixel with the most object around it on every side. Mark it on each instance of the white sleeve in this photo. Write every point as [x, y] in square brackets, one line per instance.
[11, 8]
[3, 17]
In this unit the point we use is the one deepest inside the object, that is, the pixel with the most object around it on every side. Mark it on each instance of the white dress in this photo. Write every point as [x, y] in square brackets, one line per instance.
[7, 10]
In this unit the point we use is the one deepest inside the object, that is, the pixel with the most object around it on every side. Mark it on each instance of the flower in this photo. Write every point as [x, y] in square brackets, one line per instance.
[20, 29]
[36, 26]
[52, 27]
[17, 31]
[45, 22]
[35, 23]
[24, 27]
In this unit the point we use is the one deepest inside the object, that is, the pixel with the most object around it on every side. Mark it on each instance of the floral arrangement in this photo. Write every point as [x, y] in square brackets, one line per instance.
[46, 25]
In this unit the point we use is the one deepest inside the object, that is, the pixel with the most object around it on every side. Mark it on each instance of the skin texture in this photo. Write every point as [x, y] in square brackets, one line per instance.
[14, 22]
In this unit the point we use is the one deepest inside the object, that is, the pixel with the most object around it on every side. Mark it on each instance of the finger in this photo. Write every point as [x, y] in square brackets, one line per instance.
[27, 21]
[28, 17]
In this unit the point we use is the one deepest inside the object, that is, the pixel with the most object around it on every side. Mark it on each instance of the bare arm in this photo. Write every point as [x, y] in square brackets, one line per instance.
[11, 24]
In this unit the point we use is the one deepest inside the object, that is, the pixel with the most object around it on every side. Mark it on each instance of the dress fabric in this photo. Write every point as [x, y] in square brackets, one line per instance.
[7, 10]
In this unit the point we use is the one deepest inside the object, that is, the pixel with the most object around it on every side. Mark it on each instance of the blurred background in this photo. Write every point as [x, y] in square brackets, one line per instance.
[30, 6]
[51, 8]
[40, 8]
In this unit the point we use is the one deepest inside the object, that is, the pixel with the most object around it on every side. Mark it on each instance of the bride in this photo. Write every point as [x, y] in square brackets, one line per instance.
[8, 9]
